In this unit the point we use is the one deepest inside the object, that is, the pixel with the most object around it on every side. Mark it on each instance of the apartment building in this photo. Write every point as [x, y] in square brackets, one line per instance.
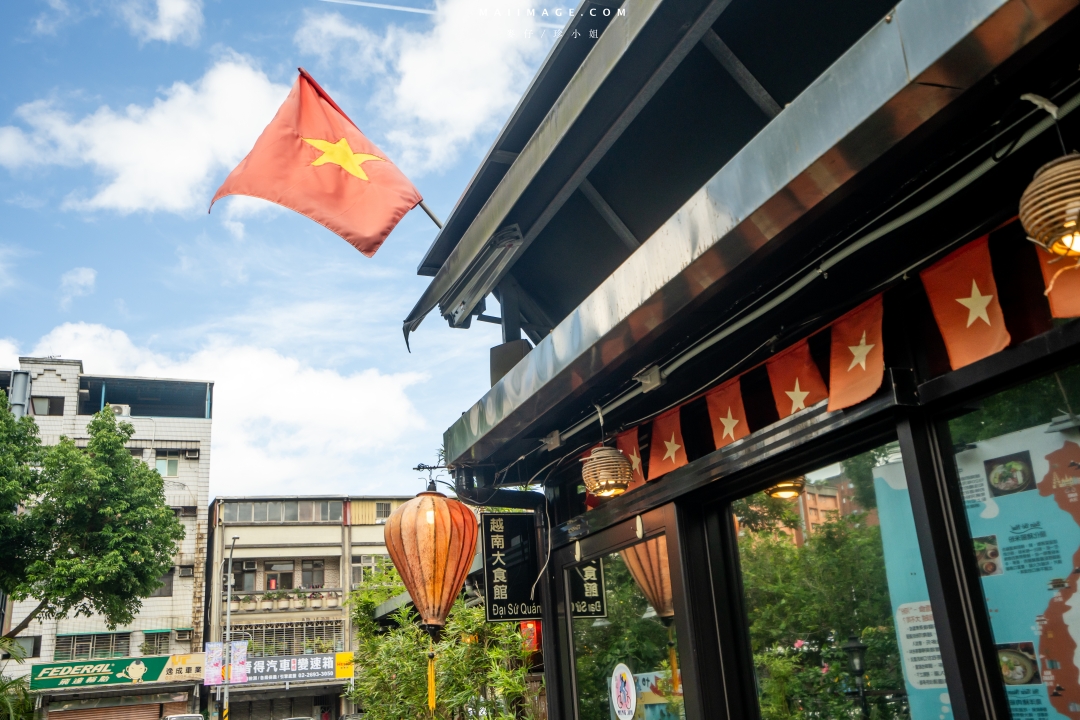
[294, 561]
[159, 653]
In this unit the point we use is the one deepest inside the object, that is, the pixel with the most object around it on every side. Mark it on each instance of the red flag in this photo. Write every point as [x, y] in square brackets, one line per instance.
[726, 413]
[796, 382]
[311, 158]
[964, 298]
[666, 451]
[627, 443]
[857, 358]
[1065, 297]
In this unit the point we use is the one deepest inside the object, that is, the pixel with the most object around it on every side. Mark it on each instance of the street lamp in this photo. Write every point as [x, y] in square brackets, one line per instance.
[856, 653]
[228, 630]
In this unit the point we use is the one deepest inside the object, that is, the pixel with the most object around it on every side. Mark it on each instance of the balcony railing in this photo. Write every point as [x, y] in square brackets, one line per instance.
[287, 600]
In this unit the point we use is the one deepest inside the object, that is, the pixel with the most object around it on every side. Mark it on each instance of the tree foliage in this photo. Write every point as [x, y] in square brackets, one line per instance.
[481, 667]
[20, 453]
[95, 534]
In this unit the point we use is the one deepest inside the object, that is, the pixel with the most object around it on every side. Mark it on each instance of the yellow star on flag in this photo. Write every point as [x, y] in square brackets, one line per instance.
[976, 305]
[798, 397]
[672, 448]
[635, 461]
[729, 424]
[341, 154]
[860, 352]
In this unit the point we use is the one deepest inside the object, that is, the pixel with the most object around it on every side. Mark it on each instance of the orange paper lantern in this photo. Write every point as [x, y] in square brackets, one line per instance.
[648, 564]
[432, 541]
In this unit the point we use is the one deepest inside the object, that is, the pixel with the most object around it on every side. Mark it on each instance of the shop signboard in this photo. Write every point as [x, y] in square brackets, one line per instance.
[296, 668]
[586, 582]
[117, 671]
[510, 566]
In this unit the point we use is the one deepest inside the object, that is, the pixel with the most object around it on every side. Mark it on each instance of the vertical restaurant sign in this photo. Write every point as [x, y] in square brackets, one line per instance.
[510, 567]
[117, 671]
[586, 583]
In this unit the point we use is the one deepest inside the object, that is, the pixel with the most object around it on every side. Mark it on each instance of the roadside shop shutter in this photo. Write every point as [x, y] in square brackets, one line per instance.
[176, 708]
[302, 706]
[126, 712]
[260, 710]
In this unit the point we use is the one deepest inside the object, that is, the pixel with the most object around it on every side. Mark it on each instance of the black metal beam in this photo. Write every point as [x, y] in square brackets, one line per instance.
[742, 75]
[610, 216]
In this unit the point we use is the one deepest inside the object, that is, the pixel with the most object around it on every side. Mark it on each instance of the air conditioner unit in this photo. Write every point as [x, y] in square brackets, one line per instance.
[187, 571]
[191, 454]
[183, 635]
[381, 521]
[121, 410]
[249, 566]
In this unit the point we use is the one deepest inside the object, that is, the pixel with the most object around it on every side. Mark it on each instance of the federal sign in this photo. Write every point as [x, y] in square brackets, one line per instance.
[510, 566]
[586, 583]
[117, 671]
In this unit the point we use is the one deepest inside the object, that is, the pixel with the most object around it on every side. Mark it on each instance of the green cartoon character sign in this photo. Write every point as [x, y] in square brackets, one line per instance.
[133, 672]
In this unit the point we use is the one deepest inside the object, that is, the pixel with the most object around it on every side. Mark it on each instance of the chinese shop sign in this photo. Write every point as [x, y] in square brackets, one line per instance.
[510, 567]
[117, 671]
[587, 589]
[322, 666]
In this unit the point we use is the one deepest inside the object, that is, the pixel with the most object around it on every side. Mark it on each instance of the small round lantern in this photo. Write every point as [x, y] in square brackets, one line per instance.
[606, 472]
[432, 541]
[1050, 206]
[787, 489]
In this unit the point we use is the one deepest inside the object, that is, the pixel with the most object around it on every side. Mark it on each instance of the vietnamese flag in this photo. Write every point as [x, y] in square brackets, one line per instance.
[795, 380]
[1065, 297]
[857, 358]
[964, 298]
[667, 450]
[628, 445]
[726, 413]
[311, 158]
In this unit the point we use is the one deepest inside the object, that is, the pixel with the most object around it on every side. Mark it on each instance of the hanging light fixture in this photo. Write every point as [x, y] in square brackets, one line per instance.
[431, 540]
[1050, 207]
[648, 565]
[606, 472]
[787, 489]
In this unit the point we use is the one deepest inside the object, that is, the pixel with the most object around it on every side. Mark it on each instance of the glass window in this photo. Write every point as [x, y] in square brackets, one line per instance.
[155, 643]
[273, 512]
[626, 646]
[290, 509]
[1018, 463]
[832, 574]
[87, 647]
[335, 511]
[382, 510]
[167, 462]
[230, 512]
[260, 512]
[311, 573]
[305, 511]
[243, 581]
[279, 574]
[166, 589]
[244, 512]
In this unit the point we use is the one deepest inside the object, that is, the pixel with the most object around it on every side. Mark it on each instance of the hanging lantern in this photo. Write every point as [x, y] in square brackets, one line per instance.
[787, 489]
[1050, 207]
[648, 564]
[606, 472]
[432, 541]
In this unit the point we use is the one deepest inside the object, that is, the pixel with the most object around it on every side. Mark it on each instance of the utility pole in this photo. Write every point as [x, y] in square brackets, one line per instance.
[228, 631]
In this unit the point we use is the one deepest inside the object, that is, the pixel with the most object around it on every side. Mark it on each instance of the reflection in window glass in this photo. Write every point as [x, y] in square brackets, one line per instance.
[273, 512]
[230, 512]
[244, 514]
[634, 627]
[260, 512]
[838, 566]
[305, 511]
[290, 511]
[1018, 462]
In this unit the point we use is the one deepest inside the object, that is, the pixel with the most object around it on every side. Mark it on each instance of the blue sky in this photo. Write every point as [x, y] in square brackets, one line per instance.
[118, 120]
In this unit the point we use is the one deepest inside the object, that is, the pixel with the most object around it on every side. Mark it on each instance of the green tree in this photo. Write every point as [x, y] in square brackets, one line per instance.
[15, 700]
[761, 513]
[95, 529]
[20, 452]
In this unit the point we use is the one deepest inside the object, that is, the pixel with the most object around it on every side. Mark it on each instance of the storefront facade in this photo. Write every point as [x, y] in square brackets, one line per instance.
[755, 286]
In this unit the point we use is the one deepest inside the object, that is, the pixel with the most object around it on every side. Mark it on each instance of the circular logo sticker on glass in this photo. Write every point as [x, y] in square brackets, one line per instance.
[623, 692]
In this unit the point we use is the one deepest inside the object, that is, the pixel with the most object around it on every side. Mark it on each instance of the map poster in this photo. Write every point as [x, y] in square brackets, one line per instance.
[924, 674]
[1021, 495]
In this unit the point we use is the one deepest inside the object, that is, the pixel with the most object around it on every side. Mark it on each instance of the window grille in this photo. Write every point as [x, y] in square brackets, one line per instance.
[155, 643]
[382, 510]
[88, 647]
[292, 638]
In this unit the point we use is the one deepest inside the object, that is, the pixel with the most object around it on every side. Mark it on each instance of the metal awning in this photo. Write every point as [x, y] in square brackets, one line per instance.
[907, 68]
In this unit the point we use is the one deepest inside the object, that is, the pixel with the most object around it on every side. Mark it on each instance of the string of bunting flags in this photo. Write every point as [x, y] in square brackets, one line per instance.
[963, 298]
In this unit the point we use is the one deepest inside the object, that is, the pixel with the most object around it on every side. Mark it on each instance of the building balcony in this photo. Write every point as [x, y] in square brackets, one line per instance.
[301, 599]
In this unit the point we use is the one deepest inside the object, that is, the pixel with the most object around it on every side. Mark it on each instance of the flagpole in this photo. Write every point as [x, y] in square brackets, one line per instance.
[425, 208]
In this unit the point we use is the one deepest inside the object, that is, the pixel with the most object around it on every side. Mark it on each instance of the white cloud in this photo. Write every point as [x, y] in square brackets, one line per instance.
[58, 13]
[436, 91]
[159, 157]
[238, 207]
[7, 279]
[168, 20]
[76, 283]
[9, 354]
[280, 424]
